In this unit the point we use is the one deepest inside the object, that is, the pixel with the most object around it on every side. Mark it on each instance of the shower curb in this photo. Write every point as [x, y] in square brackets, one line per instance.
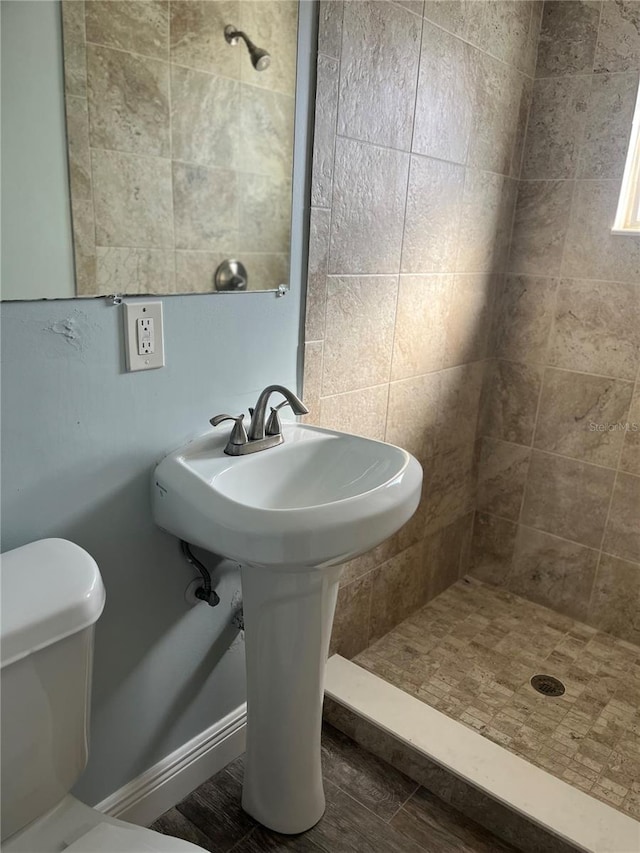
[520, 803]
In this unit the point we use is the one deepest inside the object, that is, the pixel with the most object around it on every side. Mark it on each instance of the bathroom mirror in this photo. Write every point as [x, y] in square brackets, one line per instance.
[177, 121]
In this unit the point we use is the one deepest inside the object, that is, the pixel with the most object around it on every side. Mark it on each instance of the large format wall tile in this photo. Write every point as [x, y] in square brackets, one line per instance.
[460, 389]
[510, 401]
[359, 332]
[615, 603]
[204, 108]
[324, 131]
[413, 414]
[555, 127]
[464, 19]
[592, 250]
[264, 203]
[141, 26]
[451, 487]
[485, 223]
[441, 556]
[501, 478]
[444, 104]
[330, 28]
[622, 536]
[421, 318]
[274, 27]
[618, 46]
[128, 102]
[492, 548]
[198, 195]
[197, 36]
[597, 328]
[567, 498]
[399, 588]
[379, 69]
[607, 125]
[369, 195]
[539, 227]
[135, 270]
[195, 271]
[432, 217]
[523, 317]
[350, 632]
[498, 90]
[316, 290]
[509, 31]
[553, 572]
[266, 132]
[132, 198]
[77, 115]
[630, 459]
[568, 37]
[578, 414]
[313, 351]
[360, 412]
[74, 48]
[469, 318]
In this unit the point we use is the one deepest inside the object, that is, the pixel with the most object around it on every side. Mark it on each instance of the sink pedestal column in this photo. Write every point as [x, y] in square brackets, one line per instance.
[288, 618]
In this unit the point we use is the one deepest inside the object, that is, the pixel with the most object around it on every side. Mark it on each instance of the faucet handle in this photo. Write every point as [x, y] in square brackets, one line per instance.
[274, 424]
[238, 433]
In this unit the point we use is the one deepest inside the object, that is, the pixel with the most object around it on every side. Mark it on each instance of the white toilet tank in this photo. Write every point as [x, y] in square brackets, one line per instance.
[52, 594]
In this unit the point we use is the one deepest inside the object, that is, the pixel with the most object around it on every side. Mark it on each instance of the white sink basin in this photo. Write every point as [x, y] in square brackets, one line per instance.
[290, 515]
[317, 500]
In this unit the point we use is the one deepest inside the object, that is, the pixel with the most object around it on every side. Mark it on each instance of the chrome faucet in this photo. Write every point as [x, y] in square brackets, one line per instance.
[260, 436]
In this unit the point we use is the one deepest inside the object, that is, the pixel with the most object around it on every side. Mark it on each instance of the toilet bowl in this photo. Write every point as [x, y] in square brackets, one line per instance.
[52, 595]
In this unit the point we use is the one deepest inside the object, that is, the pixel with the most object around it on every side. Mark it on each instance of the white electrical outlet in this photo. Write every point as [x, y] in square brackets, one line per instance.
[144, 340]
[146, 336]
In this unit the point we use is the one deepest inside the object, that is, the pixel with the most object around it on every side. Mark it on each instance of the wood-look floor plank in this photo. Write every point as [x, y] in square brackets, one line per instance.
[369, 780]
[178, 826]
[215, 808]
[262, 840]
[349, 827]
[438, 827]
[363, 796]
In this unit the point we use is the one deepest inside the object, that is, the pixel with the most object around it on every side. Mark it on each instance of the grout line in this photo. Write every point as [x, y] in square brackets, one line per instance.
[404, 227]
[170, 63]
[476, 47]
[561, 369]
[242, 840]
[193, 163]
[402, 805]
[595, 49]
[552, 535]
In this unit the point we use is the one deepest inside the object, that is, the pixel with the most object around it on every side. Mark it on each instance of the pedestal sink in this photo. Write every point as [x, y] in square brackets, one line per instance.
[290, 515]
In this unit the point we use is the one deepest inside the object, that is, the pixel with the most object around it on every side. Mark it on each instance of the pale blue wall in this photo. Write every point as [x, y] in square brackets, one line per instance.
[79, 441]
[80, 438]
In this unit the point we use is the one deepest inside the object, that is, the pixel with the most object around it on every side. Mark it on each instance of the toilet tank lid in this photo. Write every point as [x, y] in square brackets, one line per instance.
[49, 590]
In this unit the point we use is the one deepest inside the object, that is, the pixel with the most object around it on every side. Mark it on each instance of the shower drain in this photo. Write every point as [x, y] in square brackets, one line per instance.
[547, 685]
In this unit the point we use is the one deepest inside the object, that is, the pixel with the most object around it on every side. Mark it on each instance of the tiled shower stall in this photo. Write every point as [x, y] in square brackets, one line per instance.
[468, 301]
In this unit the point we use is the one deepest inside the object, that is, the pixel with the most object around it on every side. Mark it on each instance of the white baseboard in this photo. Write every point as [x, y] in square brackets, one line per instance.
[148, 796]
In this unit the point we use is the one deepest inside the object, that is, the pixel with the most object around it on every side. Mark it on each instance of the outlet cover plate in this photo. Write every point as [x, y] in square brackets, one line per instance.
[134, 311]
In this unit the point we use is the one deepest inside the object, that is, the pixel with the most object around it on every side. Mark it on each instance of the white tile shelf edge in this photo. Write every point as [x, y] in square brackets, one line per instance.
[568, 812]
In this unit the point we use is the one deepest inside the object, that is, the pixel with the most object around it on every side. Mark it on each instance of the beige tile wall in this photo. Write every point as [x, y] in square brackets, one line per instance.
[419, 130]
[559, 498]
[180, 152]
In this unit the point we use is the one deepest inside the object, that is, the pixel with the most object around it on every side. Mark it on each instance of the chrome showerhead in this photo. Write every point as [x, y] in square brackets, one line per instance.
[260, 59]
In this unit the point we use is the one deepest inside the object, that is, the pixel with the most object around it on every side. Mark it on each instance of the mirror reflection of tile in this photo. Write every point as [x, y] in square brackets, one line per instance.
[180, 151]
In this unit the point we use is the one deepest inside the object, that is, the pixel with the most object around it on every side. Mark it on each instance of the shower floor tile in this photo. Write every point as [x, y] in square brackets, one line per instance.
[471, 653]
